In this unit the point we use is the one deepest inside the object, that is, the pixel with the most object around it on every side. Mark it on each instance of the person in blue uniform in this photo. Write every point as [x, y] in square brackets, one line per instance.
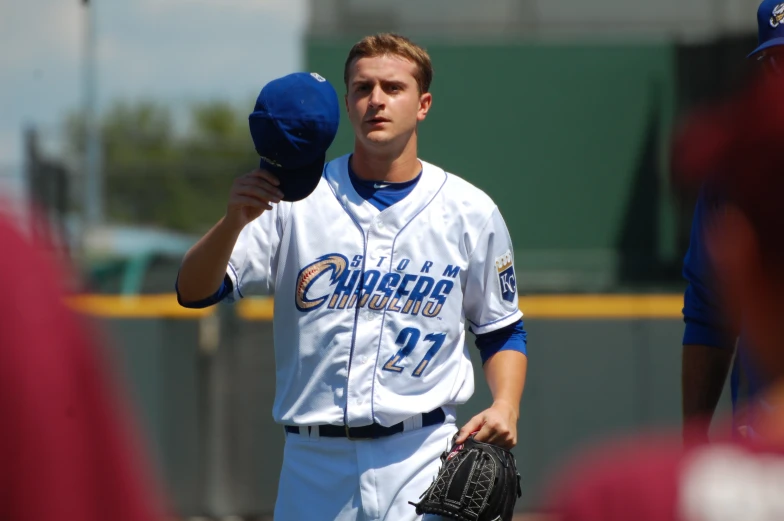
[713, 336]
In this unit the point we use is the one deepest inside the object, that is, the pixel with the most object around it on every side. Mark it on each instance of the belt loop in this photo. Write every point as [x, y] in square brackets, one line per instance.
[314, 432]
[303, 431]
[412, 423]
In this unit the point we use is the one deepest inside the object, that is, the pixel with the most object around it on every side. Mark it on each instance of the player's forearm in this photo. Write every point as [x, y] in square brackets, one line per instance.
[204, 266]
[703, 372]
[505, 373]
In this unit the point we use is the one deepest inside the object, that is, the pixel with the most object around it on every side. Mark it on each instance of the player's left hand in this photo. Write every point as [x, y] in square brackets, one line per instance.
[496, 425]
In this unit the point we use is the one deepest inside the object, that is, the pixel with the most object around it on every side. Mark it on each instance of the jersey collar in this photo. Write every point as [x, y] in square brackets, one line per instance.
[396, 216]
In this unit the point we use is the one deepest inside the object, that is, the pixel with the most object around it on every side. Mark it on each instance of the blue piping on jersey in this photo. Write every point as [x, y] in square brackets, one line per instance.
[391, 263]
[494, 321]
[357, 309]
[238, 280]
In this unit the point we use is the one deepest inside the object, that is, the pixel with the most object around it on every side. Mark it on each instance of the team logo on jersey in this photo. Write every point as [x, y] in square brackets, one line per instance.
[506, 276]
[331, 280]
[777, 16]
[309, 275]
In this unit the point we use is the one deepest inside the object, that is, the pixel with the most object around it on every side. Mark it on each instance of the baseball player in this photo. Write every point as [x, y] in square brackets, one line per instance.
[710, 336]
[378, 261]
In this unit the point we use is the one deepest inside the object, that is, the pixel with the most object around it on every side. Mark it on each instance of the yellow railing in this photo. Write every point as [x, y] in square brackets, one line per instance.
[656, 306]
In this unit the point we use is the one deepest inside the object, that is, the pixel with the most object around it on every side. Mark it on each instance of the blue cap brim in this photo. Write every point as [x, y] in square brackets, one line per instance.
[300, 183]
[773, 42]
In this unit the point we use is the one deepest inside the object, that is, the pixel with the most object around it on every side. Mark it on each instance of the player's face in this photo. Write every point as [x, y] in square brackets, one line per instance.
[383, 101]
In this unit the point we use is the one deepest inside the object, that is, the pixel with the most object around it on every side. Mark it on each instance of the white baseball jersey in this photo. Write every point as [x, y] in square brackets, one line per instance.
[371, 306]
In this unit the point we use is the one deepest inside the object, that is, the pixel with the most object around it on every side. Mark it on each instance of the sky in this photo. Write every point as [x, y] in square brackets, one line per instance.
[174, 51]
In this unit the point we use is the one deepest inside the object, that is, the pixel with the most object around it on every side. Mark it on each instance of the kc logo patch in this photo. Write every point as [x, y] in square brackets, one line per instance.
[506, 276]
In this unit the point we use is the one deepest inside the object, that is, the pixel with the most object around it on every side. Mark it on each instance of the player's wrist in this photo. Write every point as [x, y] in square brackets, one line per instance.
[508, 406]
[233, 222]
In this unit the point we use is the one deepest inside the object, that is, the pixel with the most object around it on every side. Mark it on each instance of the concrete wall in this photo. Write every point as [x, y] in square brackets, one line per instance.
[207, 414]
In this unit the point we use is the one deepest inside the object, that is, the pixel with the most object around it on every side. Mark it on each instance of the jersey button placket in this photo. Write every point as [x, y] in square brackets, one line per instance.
[362, 374]
[358, 402]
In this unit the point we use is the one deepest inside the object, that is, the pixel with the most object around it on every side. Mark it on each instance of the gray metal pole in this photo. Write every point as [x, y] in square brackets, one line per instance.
[93, 186]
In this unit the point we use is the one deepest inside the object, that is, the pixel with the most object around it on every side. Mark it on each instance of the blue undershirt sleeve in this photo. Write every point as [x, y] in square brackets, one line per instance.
[225, 289]
[510, 338]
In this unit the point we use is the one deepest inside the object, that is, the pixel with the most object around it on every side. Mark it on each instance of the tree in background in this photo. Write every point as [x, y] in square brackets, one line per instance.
[158, 175]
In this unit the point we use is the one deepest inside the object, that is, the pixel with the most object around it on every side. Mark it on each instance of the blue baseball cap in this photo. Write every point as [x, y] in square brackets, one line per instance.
[770, 24]
[292, 125]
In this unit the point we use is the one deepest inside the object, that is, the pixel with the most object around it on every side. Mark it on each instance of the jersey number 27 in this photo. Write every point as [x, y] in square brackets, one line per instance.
[408, 339]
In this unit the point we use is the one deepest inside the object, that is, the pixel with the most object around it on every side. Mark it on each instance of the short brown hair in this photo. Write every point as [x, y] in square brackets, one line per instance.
[391, 44]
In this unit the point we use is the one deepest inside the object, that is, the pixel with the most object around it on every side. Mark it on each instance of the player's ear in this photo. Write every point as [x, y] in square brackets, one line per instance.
[425, 102]
[345, 100]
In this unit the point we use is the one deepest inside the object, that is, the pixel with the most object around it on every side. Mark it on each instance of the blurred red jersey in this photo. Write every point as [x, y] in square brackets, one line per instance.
[67, 449]
[656, 479]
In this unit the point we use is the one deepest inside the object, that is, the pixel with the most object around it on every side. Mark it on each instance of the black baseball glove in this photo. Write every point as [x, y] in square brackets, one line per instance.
[476, 482]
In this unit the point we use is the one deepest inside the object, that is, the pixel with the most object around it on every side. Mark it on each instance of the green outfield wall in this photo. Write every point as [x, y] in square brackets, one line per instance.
[569, 140]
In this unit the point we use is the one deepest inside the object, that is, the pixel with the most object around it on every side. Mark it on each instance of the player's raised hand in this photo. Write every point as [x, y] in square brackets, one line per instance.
[252, 194]
[496, 425]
